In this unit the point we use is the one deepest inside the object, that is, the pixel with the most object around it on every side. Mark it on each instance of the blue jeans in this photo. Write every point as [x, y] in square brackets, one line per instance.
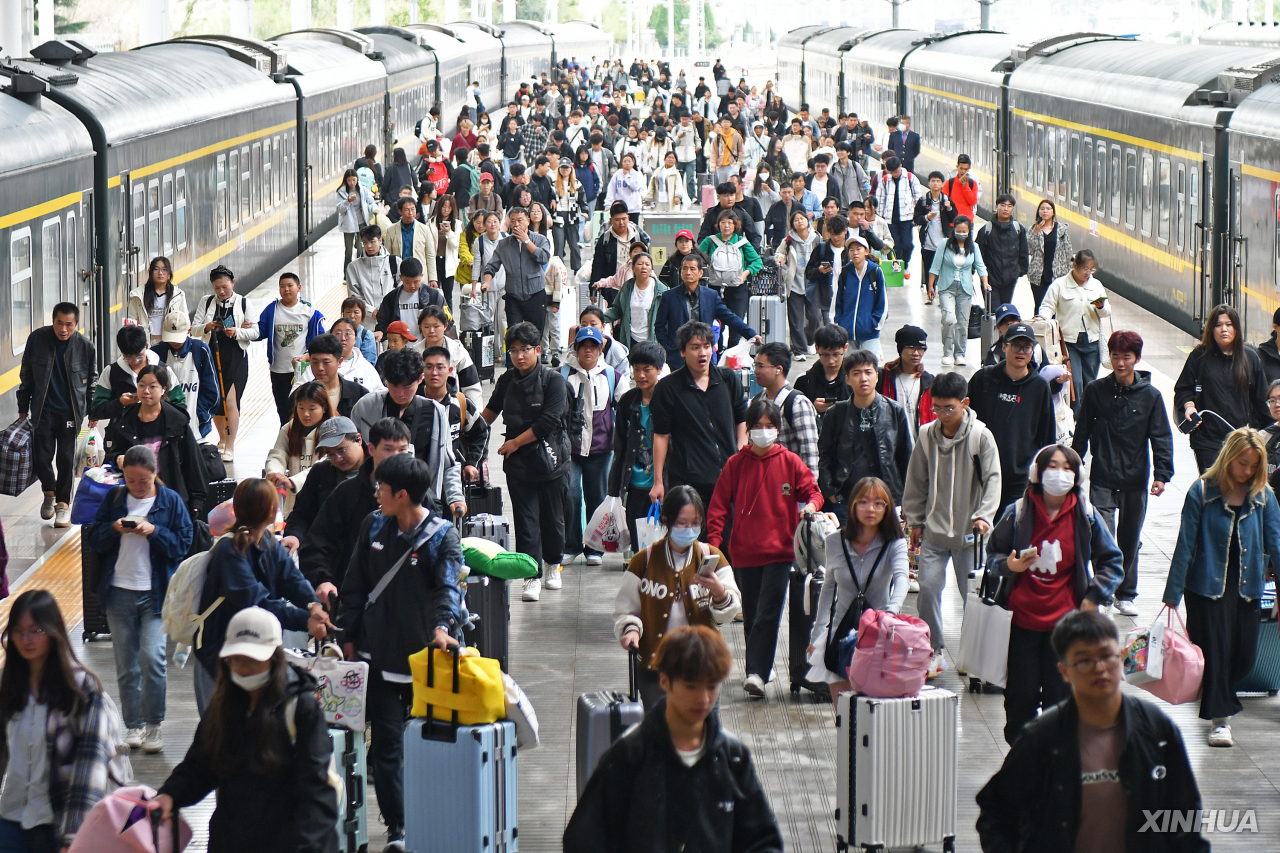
[690, 171]
[38, 839]
[587, 487]
[137, 636]
[871, 345]
[903, 240]
[1085, 358]
[955, 305]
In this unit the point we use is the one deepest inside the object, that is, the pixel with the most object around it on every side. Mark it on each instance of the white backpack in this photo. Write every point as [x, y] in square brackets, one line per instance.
[726, 264]
[183, 621]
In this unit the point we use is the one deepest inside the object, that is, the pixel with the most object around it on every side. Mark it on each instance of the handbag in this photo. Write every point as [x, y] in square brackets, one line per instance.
[474, 314]
[17, 460]
[892, 655]
[984, 634]
[477, 696]
[1182, 664]
[649, 529]
[893, 270]
[340, 684]
[607, 530]
[91, 492]
[839, 655]
[121, 823]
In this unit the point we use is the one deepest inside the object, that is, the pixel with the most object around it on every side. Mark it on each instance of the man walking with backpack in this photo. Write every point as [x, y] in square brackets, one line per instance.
[951, 495]
[896, 196]
[1003, 244]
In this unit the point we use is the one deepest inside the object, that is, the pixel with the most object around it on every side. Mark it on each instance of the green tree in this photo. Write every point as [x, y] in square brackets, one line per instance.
[658, 23]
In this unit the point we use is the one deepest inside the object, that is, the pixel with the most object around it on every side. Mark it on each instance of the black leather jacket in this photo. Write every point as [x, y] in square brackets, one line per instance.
[835, 445]
[643, 799]
[37, 372]
[1033, 801]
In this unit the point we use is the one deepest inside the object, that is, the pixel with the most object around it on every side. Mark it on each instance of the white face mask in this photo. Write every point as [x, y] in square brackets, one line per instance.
[250, 683]
[764, 437]
[1058, 483]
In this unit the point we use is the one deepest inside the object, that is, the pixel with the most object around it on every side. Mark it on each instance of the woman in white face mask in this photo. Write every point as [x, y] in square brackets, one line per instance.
[756, 508]
[1043, 547]
[675, 581]
[263, 745]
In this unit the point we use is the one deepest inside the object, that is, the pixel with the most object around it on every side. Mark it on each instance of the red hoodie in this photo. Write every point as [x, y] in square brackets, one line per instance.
[766, 494]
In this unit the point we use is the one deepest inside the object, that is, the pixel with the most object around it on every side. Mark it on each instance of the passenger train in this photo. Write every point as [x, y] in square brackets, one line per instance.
[1163, 159]
[216, 150]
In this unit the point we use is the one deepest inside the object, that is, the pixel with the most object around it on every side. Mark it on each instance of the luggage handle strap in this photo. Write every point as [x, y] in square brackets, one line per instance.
[1168, 620]
[429, 727]
[633, 656]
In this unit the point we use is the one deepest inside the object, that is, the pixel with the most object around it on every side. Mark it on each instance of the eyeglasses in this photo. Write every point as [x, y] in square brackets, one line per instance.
[1085, 665]
[1021, 347]
[521, 352]
[945, 411]
[870, 503]
[764, 366]
[341, 449]
[28, 634]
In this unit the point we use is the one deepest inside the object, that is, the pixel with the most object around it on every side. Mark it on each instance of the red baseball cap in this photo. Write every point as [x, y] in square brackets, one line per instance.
[684, 232]
[401, 328]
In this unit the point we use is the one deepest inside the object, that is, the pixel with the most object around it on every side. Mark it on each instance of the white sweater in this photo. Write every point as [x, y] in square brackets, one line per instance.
[1073, 306]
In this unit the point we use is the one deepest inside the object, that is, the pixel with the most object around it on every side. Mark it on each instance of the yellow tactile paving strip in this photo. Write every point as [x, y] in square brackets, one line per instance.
[60, 573]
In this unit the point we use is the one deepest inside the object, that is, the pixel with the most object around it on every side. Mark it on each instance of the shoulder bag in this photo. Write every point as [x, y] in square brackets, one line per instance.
[842, 641]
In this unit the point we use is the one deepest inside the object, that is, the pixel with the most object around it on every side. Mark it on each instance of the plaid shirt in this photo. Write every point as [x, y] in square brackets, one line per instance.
[533, 139]
[799, 431]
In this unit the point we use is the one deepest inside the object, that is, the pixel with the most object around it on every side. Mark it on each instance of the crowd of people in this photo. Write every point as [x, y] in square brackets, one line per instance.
[384, 425]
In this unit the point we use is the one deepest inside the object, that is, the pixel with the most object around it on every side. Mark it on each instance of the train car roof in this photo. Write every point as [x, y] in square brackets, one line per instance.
[39, 134]
[525, 32]
[320, 65]
[1140, 77]
[137, 93]
[798, 36]
[885, 48]
[976, 56]
[831, 41]
[399, 48]
[1242, 34]
[1259, 114]
[474, 35]
[445, 46]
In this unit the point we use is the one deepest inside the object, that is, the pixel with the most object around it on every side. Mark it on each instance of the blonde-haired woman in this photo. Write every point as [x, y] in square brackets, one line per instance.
[1230, 530]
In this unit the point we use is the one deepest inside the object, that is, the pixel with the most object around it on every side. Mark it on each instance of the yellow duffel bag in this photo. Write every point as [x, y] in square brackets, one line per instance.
[480, 697]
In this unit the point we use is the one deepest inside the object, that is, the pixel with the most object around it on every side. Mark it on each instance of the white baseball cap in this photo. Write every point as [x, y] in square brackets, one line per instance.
[175, 327]
[254, 633]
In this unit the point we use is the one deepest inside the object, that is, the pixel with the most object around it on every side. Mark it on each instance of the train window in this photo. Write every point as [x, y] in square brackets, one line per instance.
[1050, 155]
[50, 264]
[180, 208]
[246, 188]
[1144, 194]
[275, 173]
[166, 213]
[1116, 180]
[1193, 205]
[20, 287]
[1100, 179]
[69, 276]
[1062, 164]
[220, 180]
[1039, 157]
[153, 218]
[233, 189]
[1130, 188]
[1180, 211]
[255, 179]
[1030, 154]
[139, 197]
[1165, 182]
[1086, 173]
[266, 174]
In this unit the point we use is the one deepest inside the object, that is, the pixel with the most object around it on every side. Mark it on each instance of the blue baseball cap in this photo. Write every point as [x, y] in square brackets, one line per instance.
[1005, 311]
[588, 333]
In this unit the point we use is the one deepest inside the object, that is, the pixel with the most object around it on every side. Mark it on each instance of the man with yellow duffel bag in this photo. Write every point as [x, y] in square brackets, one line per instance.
[400, 594]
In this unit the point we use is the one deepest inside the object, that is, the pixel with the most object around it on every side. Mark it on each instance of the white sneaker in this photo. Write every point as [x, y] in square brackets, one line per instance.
[595, 559]
[152, 741]
[1126, 607]
[532, 589]
[947, 361]
[754, 686]
[61, 515]
[913, 583]
[937, 665]
[960, 362]
[1221, 736]
[134, 738]
[551, 577]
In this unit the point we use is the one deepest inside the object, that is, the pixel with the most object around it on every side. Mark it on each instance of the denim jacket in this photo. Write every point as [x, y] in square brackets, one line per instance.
[169, 543]
[1204, 542]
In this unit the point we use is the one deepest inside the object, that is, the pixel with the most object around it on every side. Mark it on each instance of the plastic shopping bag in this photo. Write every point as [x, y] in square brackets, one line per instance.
[738, 356]
[341, 685]
[1143, 654]
[89, 450]
[649, 529]
[984, 634]
[607, 530]
[1182, 664]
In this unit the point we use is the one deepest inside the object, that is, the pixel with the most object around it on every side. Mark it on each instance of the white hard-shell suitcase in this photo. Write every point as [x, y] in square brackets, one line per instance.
[896, 771]
[768, 316]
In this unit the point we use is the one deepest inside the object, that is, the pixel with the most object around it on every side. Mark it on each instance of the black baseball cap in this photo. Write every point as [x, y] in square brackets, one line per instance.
[1019, 330]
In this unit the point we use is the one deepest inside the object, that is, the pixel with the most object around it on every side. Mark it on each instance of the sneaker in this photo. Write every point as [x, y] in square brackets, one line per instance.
[947, 361]
[153, 741]
[62, 515]
[532, 590]
[46, 508]
[134, 738]
[551, 577]
[754, 686]
[960, 362]
[567, 558]
[937, 665]
[595, 560]
[395, 840]
[800, 357]
[907, 276]
[1126, 608]
[913, 583]
[1221, 736]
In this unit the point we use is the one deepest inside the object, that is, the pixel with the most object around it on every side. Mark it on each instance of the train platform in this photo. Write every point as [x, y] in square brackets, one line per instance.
[563, 645]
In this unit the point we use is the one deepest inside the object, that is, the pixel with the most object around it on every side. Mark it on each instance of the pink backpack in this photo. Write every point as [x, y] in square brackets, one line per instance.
[892, 655]
[120, 823]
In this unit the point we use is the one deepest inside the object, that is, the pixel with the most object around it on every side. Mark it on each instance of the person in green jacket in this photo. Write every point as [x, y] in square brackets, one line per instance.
[726, 271]
[638, 298]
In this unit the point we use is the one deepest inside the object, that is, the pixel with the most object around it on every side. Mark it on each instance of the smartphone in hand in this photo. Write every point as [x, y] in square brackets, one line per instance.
[709, 564]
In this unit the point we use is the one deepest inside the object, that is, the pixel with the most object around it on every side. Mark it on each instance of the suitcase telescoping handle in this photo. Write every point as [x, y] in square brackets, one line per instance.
[633, 659]
[428, 728]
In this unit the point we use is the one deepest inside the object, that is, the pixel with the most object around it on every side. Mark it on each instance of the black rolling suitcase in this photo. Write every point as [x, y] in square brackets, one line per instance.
[219, 491]
[803, 591]
[483, 499]
[482, 348]
[488, 601]
[95, 621]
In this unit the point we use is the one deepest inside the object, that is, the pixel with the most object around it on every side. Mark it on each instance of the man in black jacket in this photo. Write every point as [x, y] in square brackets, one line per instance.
[1099, 771]
[400, 594]
[1017, 406]
[339, 441]
[56, 387]
[325, 354]
[645, 793]
[632, 466]
[1121, 414]
[1003, 244]
[326, 552]
[777, 220]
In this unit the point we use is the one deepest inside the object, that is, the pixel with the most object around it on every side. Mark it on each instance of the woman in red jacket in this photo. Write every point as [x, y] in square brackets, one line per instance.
[766, 487]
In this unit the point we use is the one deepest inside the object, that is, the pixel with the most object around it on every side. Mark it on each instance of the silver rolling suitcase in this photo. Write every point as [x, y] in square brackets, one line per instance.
[989, 333]
[896, 771]
[602, 718]
[485, 525]
[768, 316]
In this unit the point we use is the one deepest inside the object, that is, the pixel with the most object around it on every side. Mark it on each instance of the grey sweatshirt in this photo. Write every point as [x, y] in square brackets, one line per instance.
[943, 493]
[524, 268]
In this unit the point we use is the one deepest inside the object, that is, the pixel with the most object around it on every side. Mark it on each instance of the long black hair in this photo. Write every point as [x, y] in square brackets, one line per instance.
[59, 687]
[261, 725]
[953, 245]
[1239, 359]
[350, 173]
[149, 290]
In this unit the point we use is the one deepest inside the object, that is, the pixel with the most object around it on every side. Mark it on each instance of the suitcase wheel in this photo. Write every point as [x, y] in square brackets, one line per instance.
[949, 844]
[975, 685]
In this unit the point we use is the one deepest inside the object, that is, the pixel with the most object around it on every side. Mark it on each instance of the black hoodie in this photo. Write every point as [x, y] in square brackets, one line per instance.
[1270, 355]
[814, 385]
[1118, 421]
[1019, 414]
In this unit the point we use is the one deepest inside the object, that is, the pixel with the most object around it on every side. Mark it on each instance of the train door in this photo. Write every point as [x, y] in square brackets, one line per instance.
[83, 271]
[309, 190]
[1235, 248]
[1200, 202]
[132, 229]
